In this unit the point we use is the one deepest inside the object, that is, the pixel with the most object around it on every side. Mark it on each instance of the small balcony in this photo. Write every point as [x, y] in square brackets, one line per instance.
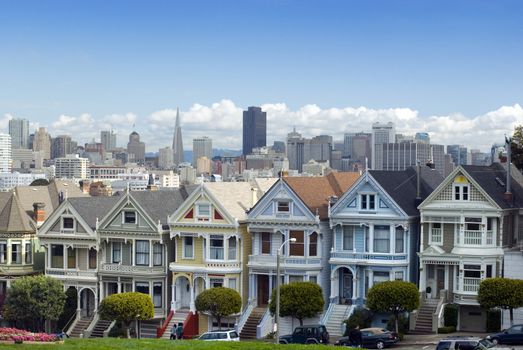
[129, 269]
[367, 257]
[85, 275]
[287, 261]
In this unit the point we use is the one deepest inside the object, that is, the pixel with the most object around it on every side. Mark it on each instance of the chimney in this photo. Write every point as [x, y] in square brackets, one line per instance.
[508, 194]
[85, 186]
[39, 213]
[254, 196]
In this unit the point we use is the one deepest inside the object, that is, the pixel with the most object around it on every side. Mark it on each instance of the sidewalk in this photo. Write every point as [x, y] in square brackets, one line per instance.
[433, 339]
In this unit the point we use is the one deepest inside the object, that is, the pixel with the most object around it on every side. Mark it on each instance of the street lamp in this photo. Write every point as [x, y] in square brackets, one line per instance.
[278, 252]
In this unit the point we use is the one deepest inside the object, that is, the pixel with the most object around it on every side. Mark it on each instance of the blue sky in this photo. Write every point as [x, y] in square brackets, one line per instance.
[112, 59]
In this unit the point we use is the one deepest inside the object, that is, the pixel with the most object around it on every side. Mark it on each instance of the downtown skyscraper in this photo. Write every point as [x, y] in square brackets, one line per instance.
[19, 131]
[177, 140]
[254, 129]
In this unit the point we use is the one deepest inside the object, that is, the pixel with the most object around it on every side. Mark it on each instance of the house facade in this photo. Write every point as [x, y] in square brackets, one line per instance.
[464, 224]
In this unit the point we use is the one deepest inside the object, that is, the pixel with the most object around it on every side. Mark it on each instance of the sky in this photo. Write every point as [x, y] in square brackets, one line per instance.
[450, 68]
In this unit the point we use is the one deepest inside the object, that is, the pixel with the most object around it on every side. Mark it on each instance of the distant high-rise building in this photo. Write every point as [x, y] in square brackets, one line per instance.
[71, 167]
[177, 141]
[381, 133]
[6, 160]
[165, 158]
[135, 149]
[108, 139]
[254, 129]
[458, 154]
[42, 142]
[361, 149]
[201, 147]
[19, 131]
[402, 155]
[61, 146]
[301, 150]
[479, 158]
[422, 137]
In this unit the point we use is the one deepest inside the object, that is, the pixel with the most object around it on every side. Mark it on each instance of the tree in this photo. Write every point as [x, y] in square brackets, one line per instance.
[500, 292]
[32, 300]
[219, 302]
[300, 300]
[396, 297]
[126, 308]
[39, 182]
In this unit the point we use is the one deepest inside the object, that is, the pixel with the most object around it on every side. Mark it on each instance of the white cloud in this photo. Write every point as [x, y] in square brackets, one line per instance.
[222, 121]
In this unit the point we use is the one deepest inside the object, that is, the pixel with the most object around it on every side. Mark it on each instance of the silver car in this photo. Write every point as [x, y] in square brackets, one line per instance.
[227, 335]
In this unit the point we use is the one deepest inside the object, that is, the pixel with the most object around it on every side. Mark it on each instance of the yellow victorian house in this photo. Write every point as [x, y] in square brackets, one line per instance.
[212, 245]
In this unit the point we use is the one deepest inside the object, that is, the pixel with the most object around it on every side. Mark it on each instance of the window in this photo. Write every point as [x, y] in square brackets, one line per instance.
[489, 271]
[398, 275]
[16, 253]
[266, 243]
[295, 278]
[142, 287]
[313, 279]
[157, 294]
[297, 248]
[400, 240]
[157, 254]
[472, 224]
[28, 253]
[348, 238]
[203, 211]
[57, 256]
[232, 248]
[92, 258]
[232, 283]
[142, 252]
[472, 271]
[313, 244]
[216, 282]
[129, 217]
[380, 276]
[283, 207]
[117, 252]
[216, 247]
[381, 239]
[461, 192]
[368, 201]
[3, 252]
[68, 223]
[188, 248]
[436, 233]
[71, 258]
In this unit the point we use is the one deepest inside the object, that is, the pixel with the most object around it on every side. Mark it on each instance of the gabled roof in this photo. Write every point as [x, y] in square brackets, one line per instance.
[12, 216]
[315, 191]
[492, 180]
[92, 208]
[402, 186]
[159, 204]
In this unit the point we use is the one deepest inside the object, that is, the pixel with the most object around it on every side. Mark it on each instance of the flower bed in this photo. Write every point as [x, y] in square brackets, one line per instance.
[19, 336]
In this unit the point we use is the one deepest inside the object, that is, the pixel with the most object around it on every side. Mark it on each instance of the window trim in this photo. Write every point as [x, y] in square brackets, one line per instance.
[282, 204]
[268, 234]
[62, 225]
[343, 232]
[458, 191]
[124, 217]
[367, 201]
[113, 250]
[156, 253]
[184, 245]
[28, 254]
[155, 284]
[20, 251]
[431, 226]
[146, 253]
[5, 256]
[203, 217]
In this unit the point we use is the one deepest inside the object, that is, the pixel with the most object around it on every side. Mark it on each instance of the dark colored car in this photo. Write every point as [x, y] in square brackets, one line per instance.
[314, 334]
[464, 342]
[512, 335]
[378, 338]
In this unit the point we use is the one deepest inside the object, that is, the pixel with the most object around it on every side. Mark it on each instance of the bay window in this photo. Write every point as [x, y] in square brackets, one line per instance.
[216, 247]
[400, 240]
[142, 253]
[265, 242]
[313, 244]
[16, 253]
[297, 248]
[348, 238]
[232, 248]
[381, 239]
[188, 247]
[157, 254]
[157, 294]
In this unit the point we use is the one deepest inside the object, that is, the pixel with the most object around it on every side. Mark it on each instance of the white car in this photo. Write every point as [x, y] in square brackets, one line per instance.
[228, 335]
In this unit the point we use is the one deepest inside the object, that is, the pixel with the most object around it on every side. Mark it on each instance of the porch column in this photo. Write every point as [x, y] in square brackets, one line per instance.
[422, 276]
[392, 231]
[270, 284]
[447, 278]
[78, 306]
[192, 307]
[371, 238]
[172, 296]
[355, 283]
[102, 296]
[64, 256]
[150, 253]
[133, 247]
[95, 302]
[333, 287]
[119, 287]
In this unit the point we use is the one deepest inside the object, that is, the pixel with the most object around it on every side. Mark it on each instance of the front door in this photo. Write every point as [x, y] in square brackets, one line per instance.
[263, 290]
[440, 280]
[345, 285]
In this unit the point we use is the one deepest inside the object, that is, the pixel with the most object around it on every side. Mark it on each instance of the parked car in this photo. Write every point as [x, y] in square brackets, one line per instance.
[227, 335]
[512, 335]
[378, 338]
[314, 334]
[466, 343]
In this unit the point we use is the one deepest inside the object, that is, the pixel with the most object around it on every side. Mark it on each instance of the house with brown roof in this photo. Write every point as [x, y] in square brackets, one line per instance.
[294, 208]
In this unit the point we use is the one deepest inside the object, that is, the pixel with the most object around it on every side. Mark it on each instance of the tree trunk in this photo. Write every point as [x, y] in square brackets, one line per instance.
[219, 319]
[301, 321]
[511, 317]
[396, 316]
[127, 328]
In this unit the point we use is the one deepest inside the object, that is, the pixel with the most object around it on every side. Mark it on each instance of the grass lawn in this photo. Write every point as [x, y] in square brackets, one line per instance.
[158, 344]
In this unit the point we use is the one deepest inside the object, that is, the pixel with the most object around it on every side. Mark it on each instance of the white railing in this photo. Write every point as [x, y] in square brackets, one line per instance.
[472, 237]
[70, 273]
[327, 313]
[367, 256]
[436, 235]
[293, 260]
[131, 269]
[244, 317]
[490, 237]
[223, 264]
[471, 284]
[265, 326]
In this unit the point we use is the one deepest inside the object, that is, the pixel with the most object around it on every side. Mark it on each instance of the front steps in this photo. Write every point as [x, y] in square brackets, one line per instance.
[249, 328]
[179, 317]
[336, 318]
[99, 328]
[80, 327]
[424, 320]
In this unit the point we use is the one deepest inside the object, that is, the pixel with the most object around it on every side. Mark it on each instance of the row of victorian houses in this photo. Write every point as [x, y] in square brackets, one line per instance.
[351, 231]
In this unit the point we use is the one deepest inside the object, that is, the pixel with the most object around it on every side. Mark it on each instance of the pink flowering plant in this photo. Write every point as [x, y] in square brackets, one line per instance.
[19, 335]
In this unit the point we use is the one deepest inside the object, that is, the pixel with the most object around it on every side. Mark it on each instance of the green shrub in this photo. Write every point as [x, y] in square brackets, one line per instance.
[450, 315]
[493, 320]
[446, 329]
[361, 317]
[300, 300]
[220, 302]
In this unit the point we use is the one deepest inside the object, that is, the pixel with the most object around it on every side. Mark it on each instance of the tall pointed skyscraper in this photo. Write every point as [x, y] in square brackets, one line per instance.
[177, 140]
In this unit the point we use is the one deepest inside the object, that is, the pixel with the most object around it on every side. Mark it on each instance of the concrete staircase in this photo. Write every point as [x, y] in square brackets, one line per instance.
[338, 315]
[148, 328]
[424, 320]
[99, 328]
[80, 327]
[178, 317]
[249, 328]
